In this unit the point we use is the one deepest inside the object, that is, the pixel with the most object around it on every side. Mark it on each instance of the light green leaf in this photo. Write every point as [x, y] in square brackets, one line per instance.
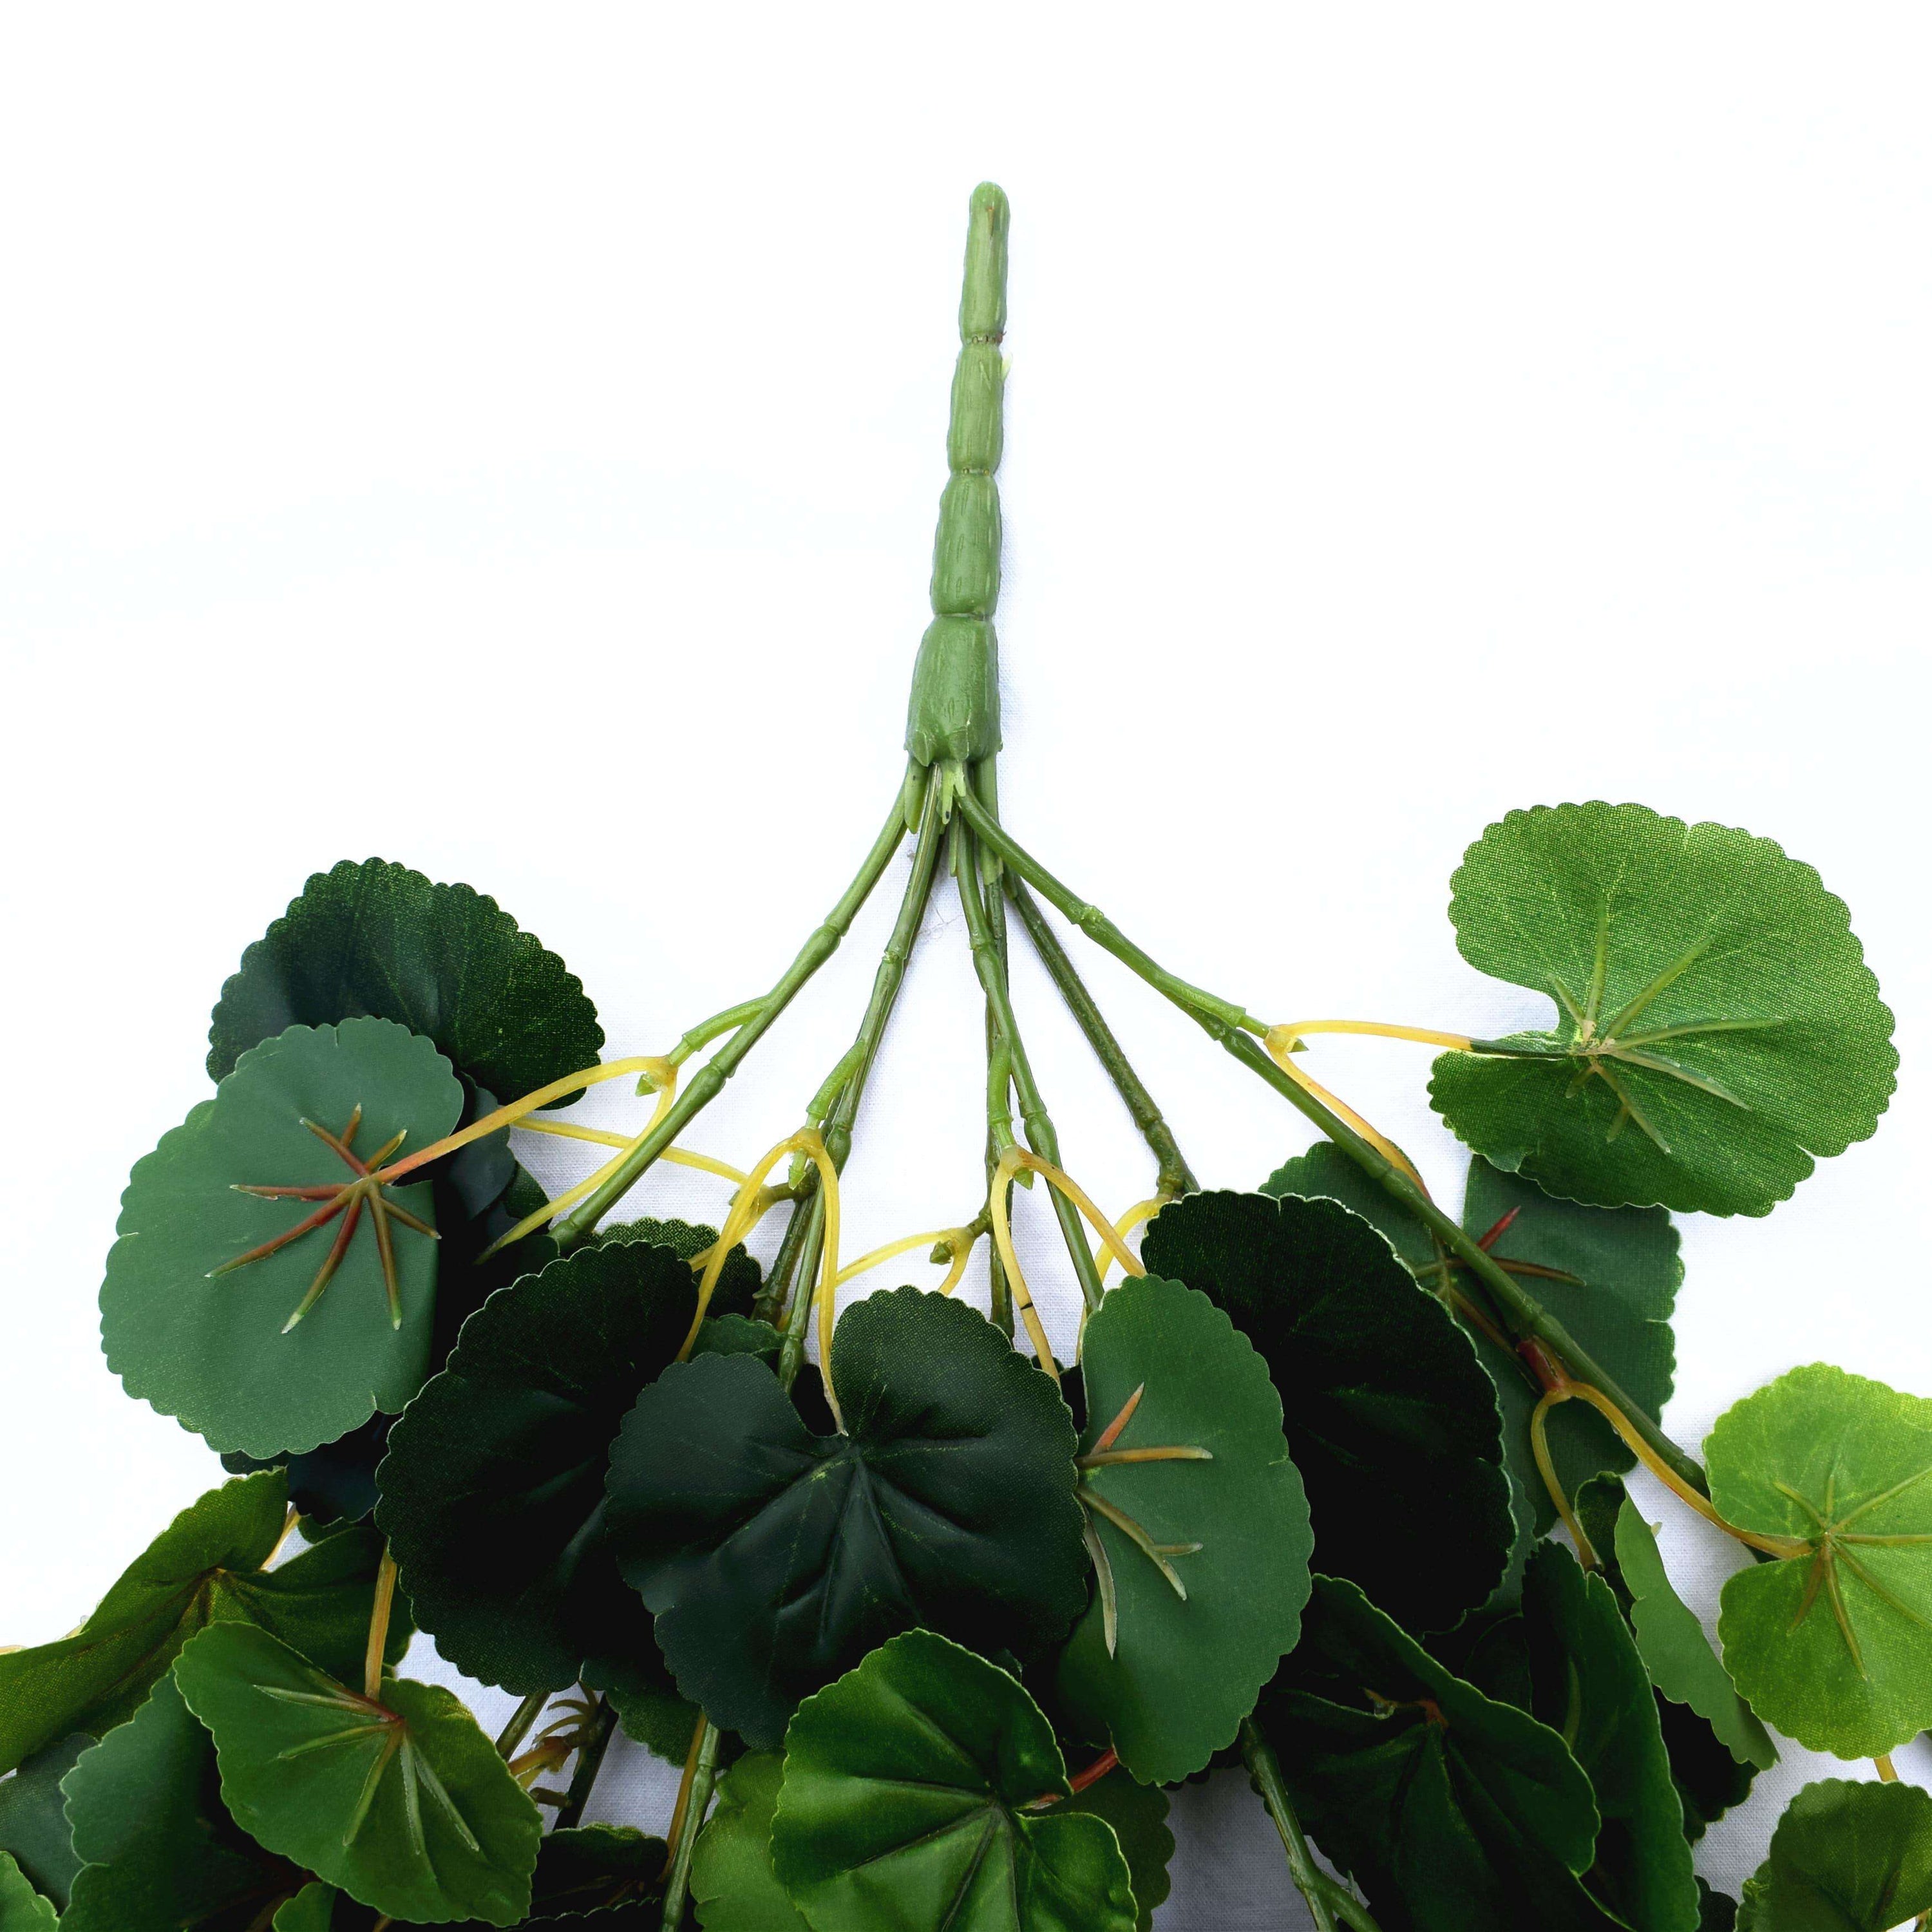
[191, 1325]
[732, 1882]
[904, 1803]
[22, 1908]
[1454, 1812]
[403, 1804]
[1675, 1651]
[161, 1853]
[33, 1828]
[1391, 1420]
[1169, 1677]
[446, 961]
[1845, 1858]
[1833, 1645]
[1590, 1686]
[776, 1557]
[205, 1568]
[1137, 1815]
[1718, 1028]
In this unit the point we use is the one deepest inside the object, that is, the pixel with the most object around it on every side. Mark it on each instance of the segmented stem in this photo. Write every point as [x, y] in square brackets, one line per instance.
[1330, 1905]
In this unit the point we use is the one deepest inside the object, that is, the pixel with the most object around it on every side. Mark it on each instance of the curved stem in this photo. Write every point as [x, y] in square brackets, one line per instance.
[1290, 1031]
[1230, 1026]
[709, 1081]
[1173, 1177]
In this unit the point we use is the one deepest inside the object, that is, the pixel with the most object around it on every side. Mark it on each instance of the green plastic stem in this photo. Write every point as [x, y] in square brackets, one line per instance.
[518, 1728]
[705, 1031]
[1040, 1135]
[677, 1879]
[709, 1081]
[589, 1762]
[1230, 1025]
[1329, 1905]
[1173, 1176]
[985, 778]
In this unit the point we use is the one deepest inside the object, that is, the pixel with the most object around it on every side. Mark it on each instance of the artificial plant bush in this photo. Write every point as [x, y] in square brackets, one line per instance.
[1332, 1485]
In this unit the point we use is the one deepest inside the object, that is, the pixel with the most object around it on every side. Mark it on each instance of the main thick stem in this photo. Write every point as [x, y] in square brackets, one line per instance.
[1230, 1026]
[1328, 1905]
[710, 1080]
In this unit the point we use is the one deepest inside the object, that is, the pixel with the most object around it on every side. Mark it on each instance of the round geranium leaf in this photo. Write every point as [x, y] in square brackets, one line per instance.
[1589, 1685]
[492, 1489]
[905, 1802]
[159, 1852]
[776, 1557]
[1198, 1525]
[446, 961]
[1846, 1857]
[1451, 1811]
[268, 1289]
[22, 1908]
[33, 1830]
[205, 1568]
[402, 1803]
[1136, 1814]
[1717, 1029]
[1833, 1644]
[1390, 1418]
[732, 1881]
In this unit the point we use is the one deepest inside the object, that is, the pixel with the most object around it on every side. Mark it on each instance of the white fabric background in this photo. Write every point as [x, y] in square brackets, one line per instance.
[508, 440]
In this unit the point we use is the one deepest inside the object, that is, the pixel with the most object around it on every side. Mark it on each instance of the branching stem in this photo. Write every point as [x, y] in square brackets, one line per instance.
[1330, 1905]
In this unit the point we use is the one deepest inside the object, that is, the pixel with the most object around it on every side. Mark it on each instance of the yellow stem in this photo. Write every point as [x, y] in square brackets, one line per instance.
[1886, 1772]
[962, 1253]
[1539, 1445]
[953, 1237]
[660, 1070]
[810, 1144]
[379, 1626]
[678, 1156]
[1772, 1546]
[1141, 1210]
[1015, 1158]
[1002, 1241]
[1291, 1031]
[684, 1783]
[748, 1205]
[1283, 1058]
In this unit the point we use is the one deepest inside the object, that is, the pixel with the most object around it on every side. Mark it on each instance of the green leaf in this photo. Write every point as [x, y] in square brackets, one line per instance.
[1718, 1028]
[647, 1702]
[404, 1803]
[732, 1883]
[1623, 1270]
[22, 1908]
[205, 1568]
[1137, 1816]
[1846, 1857]
[1590, 1686]
[160, 1852]
[205, 1336]
[446, 961]
[609, 1873]
[1169, 1677]
[33, 1830]
[1452, 1811]
[737, 1280]
[312, 1909]
[775, 1557]
[1833, 1645]
[1390, 1419]
[1675, 1651]
[493, 1489]
[902, 1804]
[1720, 1910]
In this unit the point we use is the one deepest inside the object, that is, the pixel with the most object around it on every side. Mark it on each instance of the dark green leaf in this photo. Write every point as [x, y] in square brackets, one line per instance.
[1833, 1645]
[1390, 1418]
[1590, 1686]
[210, 1342]
[33, 1828]
[446, 962]
[776, 1557]
[493, 1489]
[404, 1805]
[321, 1908]
[1452, 1812]
[1720, 1910]
[607, 1874]
[739, 1335]
[161, 1853]
[647, 1702]
[737, 1281]
[1169, 1677]
[205, 1568]
[732, 1883]
[902, 1804]
[1137, 1816]
[22, 1908]
[1845, 1858]
[1718, 1028]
